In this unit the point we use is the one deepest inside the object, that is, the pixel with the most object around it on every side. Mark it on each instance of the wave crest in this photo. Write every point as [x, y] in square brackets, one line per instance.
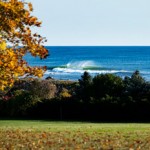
[81, 64]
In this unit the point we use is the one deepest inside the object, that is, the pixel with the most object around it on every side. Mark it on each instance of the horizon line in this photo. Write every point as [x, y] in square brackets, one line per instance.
[98, 45]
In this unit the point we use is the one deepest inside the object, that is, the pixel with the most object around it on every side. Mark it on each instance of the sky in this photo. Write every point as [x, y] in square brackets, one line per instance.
[93, 22]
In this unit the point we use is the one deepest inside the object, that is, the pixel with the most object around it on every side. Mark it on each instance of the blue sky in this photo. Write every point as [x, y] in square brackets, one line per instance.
[94, 22]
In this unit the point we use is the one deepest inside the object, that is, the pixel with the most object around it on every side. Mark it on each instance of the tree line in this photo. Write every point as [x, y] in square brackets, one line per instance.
[104, 97]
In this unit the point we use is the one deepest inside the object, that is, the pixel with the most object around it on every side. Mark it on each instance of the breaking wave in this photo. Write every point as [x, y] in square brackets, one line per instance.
[81, 67]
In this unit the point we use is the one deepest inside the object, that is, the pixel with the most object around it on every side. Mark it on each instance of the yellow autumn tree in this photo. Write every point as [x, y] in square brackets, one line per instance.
[17, 39]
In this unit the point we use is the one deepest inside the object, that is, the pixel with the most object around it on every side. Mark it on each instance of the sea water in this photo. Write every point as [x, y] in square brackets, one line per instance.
[70, 62]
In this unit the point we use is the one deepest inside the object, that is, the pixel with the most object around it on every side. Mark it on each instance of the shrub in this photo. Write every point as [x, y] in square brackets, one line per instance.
[42, 89]
[65, 94]
[19, 103]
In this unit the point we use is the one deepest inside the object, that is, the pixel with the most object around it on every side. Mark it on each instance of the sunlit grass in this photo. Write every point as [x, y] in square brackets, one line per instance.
[18, 134]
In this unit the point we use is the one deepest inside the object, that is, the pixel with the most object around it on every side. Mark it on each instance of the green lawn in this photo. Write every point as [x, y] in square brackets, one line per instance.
[73, 135]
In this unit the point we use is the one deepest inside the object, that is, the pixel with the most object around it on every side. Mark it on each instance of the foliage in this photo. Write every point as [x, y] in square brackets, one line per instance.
[65, 89]
[107, 84]
[137, 87]
[85, 84]
[26, 94]
[65, 94]
[105, 97]
[15, 30]
[42, 89]
[21, 101]
[85, 80]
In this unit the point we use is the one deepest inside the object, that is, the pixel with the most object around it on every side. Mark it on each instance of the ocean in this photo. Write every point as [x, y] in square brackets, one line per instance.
[70, 62]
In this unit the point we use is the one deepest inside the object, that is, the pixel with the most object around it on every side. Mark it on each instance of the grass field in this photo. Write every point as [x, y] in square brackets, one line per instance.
[73, 135]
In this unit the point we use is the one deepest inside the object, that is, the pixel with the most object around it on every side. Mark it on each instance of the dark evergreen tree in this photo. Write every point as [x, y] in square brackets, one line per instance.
[85, 84]
[136, 87]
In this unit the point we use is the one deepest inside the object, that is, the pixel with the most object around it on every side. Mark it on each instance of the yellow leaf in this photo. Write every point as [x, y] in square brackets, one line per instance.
[3, 45]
